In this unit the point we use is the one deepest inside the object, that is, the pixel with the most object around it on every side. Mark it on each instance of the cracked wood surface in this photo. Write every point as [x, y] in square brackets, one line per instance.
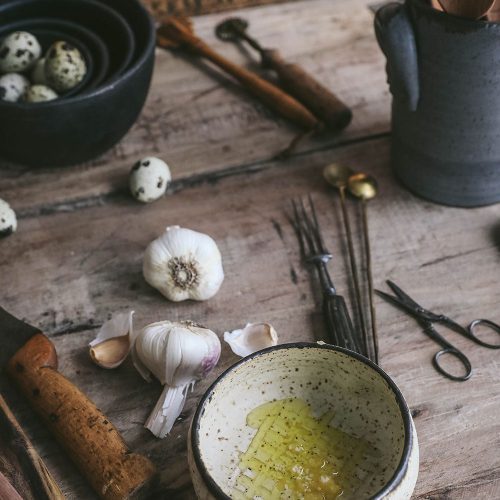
[76, 258]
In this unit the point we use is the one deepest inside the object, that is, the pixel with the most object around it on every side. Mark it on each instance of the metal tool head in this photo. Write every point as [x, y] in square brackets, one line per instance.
[231, 28]
[14, 333]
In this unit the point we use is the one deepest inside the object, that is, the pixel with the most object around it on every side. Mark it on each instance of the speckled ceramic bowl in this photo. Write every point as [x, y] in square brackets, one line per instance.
[365, 401]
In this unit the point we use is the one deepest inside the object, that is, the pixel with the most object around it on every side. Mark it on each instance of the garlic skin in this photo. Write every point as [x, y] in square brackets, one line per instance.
[178, 355]
[184, 264]
[113, 342]
[254, 337]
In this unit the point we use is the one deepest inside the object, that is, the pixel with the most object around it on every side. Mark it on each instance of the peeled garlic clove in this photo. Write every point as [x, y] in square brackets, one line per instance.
[112, 344]
[252, 338]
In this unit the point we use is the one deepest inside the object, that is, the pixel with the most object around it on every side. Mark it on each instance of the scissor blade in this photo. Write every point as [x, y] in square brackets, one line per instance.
[399, 303]
[404, 297]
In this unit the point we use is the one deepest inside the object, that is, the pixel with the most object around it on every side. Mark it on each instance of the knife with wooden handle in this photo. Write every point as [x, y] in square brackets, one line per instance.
[89, 438]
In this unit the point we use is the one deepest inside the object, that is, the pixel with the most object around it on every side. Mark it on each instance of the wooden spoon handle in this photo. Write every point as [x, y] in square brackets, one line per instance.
[279, 101]
[321, 101]
[21, 463]
[88, 436]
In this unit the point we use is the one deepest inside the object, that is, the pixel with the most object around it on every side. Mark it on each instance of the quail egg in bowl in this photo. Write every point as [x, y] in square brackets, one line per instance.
[303, 420]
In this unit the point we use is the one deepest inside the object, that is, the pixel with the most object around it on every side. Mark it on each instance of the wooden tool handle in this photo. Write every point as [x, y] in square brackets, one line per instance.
[324, 104]
[21, 464]
[271, 95]
[88, 436]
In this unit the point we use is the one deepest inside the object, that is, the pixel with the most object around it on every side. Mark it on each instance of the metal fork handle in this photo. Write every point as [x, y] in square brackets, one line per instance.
[338, 321]
[326, 281]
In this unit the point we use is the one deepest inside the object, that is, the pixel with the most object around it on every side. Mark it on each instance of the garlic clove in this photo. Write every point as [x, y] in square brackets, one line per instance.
[252, 338]
[113, 342]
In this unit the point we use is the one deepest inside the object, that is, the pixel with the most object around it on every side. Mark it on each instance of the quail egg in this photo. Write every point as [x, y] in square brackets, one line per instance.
[65, 66]
[149, 179]
[39, 93]
[38, 73]
[18, 51]
[13, 86]
[8, 221]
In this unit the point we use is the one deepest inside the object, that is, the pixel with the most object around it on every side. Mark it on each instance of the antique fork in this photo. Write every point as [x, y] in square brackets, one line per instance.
[338, 321]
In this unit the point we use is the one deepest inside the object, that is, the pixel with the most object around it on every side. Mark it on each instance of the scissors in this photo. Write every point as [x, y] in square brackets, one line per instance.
[426, 319]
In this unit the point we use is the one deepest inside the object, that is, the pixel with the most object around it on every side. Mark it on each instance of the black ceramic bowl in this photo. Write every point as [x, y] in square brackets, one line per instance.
[84, 39]
[81, 127]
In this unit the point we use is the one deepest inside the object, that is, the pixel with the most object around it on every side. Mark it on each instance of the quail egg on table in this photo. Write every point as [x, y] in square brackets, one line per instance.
[38, 73]
[39, 93]
[18, 51]
[65, 66]
[8, 221]
[149, 179]
[13, 86]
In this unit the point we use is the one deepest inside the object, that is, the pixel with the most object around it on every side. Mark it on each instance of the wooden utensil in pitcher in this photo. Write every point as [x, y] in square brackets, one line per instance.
[472, 9]
[177, 32]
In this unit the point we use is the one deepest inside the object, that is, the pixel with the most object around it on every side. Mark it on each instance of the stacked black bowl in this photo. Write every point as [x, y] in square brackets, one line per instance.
[117, 39]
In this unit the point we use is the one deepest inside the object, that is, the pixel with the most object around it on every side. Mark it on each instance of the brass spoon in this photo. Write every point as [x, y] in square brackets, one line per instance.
[472, 9]
[338, 175]
[365, 188]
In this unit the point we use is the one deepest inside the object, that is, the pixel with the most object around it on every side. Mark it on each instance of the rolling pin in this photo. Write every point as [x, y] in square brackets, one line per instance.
[323, 103]
[177, 32]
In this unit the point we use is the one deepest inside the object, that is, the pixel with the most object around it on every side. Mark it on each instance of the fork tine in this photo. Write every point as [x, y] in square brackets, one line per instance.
[317, 230]
[297, 226]
[310, 229]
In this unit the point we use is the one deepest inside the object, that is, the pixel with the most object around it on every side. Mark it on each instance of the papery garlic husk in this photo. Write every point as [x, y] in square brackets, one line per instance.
[252, 338]
[178, 355]
[184, 264]
[113, 342]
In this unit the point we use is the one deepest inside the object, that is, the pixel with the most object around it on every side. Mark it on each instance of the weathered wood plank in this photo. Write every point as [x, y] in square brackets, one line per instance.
[68, 272]
[200, 122]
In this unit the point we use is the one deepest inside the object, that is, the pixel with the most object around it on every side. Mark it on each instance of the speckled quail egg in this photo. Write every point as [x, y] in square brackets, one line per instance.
[18, 51]
[65, 66]
[39, 93]
[149, 179]
[37, 74]
[13, 86]
[8, 221]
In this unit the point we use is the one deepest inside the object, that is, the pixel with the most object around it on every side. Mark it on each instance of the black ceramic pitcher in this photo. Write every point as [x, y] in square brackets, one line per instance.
[444, 75]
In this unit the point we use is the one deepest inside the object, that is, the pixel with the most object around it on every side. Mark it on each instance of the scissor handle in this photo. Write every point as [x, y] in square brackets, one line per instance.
[489, 324]
[460, 356]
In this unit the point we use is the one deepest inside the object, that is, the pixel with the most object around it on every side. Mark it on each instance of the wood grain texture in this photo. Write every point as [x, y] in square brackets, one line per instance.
[77, 256]
[20, 464]
[196, 7]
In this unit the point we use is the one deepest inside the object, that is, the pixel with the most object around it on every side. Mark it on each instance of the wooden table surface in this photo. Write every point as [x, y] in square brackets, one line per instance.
[76, 257]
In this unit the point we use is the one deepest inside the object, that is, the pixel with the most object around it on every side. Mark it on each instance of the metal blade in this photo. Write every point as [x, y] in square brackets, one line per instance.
[14, 333]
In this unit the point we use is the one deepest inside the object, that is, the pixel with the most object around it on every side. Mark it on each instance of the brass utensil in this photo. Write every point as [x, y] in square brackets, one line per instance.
[338, 175]
[365, 188]
[325, 105]
[175, 32]
[472, 9]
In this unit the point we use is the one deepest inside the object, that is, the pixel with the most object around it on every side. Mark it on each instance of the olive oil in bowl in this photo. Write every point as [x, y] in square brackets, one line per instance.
[296, 455]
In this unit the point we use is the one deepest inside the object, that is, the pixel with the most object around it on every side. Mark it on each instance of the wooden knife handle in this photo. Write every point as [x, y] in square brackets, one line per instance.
[21, 464]
[323, 103]
[81, 428]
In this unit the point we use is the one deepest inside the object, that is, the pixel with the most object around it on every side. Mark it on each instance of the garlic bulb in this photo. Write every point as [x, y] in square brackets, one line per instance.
[252, 338]
[184, 264]
[178, 355]
[112, 344]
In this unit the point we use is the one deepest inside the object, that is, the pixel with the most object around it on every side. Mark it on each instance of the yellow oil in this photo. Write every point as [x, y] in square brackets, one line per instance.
[296, 456]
